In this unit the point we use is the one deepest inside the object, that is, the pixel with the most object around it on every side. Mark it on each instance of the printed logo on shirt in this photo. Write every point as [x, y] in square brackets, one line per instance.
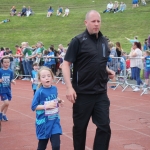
[5, 80]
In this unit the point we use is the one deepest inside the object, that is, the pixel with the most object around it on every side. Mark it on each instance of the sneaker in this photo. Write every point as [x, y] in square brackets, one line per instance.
[133, 87]
[1, 116]
[112, 87]
[4, 118]
[24, 78]
[27, 79]
[136, 89]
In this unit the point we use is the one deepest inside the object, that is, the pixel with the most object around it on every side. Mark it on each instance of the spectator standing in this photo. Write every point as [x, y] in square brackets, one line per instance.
[9, 54]
[145, 46]
[27, 61]
[136, 64]
[133, 40]
[148, 42]
[89, 54]
[18, 59]
[34, 77]
[147, 68]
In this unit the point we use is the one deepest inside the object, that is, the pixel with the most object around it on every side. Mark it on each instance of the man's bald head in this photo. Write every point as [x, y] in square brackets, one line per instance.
[88, 14]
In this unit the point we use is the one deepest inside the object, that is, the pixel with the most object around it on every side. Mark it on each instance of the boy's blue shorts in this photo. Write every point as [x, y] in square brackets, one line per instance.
[6, 96]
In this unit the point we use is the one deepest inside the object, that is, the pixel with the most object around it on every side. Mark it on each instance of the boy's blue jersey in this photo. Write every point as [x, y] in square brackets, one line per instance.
[147, 63]
[7, 77]
[52, 59]
[35, 79]
[45, 125]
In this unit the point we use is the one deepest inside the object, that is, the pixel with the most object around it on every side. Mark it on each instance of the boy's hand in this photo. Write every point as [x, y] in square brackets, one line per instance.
[50, 105]
[61, 102]
[1, 80]
[13, 82]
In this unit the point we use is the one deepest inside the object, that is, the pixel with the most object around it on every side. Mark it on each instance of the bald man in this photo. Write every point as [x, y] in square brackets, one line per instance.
[89, 53]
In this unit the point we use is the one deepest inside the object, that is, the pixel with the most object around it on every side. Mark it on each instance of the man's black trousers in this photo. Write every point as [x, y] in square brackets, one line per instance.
[97, 107]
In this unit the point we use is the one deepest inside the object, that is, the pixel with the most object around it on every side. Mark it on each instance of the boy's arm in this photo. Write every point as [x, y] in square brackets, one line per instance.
[13, 82]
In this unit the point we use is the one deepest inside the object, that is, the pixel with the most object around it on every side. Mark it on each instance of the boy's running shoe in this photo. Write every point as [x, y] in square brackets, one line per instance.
[4, 118]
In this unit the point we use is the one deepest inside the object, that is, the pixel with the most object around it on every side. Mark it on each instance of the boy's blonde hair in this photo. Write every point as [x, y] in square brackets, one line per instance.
[41, 69]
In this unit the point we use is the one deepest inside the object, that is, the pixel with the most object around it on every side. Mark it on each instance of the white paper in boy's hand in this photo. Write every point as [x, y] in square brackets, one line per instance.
[52, 111]
[35, 81]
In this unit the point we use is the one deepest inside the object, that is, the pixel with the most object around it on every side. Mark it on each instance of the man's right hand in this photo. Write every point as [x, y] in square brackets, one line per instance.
[71, 95]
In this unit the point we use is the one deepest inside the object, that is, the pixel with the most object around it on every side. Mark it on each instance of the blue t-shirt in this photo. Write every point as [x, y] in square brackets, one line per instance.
[52, 60]
[35, 79]
[7, 77]
[133, 40]
[45, 125]
[147, 63]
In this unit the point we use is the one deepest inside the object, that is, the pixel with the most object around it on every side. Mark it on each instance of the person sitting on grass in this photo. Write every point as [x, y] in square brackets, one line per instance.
[66, 12]
[122, 7]
[50, 11]
[29, 11]
[59, 11]
[109, 7]
[23, 11]
[6, 78]
[143, 2]
[5, 21]
[13, 11]
[115, 6]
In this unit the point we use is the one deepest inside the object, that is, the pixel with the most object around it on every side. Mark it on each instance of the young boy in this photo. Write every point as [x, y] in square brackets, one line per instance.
[6, 78]
[34, 78]
[147, 68]
[5, 21]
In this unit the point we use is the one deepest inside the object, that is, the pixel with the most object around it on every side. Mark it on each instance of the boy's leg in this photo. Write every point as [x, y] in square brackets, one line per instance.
[4, 107]
[42, 144]
[55, 141]
[5, 98]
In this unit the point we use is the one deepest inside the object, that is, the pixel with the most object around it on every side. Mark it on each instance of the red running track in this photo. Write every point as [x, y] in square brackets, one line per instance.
[129, 114]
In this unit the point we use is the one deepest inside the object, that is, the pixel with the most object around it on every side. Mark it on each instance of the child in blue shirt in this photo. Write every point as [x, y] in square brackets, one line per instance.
[5, 21]
[6, 78]
[34, 78]
[45, 103]
[147, 68]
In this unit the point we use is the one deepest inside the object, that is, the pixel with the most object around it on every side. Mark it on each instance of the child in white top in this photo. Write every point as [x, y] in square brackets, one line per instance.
[66, 12]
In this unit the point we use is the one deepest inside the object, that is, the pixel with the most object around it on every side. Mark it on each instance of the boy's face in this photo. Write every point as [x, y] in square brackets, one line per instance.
[36, 68]
[6, 63]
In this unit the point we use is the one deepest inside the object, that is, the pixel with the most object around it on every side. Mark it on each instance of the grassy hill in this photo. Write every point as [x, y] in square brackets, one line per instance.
[56, 30]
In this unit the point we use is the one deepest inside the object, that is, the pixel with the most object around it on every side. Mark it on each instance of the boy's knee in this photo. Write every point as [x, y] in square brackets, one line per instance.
[6, 103]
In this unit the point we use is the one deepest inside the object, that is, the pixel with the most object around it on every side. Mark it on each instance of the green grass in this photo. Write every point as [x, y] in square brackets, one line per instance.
[56, 30]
